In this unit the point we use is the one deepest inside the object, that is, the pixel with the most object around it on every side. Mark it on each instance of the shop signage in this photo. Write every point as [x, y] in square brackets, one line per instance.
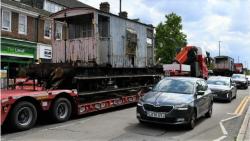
[17, 51]
[44, 52]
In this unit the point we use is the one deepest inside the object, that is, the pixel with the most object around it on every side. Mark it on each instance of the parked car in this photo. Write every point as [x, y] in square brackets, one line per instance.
[248, 79]
[176, 100]
[223, 88]
[240, 80]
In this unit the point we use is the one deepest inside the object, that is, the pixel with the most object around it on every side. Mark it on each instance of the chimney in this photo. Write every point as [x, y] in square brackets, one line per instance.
[123, 14]
[105, 7]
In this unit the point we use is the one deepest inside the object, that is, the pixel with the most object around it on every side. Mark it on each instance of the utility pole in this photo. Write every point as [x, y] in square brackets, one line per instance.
[219, 47]
[120, 6]
[238, 59]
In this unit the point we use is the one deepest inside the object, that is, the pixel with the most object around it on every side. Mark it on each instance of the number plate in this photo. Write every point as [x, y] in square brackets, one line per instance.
[155, 114]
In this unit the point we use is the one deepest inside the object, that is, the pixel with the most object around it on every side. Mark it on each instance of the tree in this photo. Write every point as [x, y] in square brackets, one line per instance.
[247, 72]
[169, 38]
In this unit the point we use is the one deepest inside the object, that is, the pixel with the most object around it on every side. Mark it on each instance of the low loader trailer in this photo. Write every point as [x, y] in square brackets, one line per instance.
[62, 92]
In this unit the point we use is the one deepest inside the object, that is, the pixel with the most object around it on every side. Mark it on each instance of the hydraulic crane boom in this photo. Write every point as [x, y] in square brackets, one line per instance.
[190, 61]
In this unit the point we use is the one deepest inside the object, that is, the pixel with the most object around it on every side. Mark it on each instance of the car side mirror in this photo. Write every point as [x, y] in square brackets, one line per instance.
[150, 88]
[200, 92]
[233, 84]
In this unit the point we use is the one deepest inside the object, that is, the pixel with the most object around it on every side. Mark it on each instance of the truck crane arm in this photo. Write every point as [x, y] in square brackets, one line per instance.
[187, 55]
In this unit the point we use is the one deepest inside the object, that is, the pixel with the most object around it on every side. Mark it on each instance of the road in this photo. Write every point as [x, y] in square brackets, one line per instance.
[121, 124]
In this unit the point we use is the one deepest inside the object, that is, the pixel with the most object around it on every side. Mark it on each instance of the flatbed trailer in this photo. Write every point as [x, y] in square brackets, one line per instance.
[21, 107]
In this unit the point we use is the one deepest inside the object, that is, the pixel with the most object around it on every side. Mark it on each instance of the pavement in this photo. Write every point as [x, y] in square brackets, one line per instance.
[244, 133]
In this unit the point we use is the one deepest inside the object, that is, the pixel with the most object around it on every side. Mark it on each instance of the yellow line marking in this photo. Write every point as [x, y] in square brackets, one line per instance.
[244, 106]
[240, 105]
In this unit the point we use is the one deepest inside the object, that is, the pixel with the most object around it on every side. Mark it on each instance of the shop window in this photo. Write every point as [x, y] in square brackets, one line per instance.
[47, 29]
[6, 20]
[58, 31]
[22, 24]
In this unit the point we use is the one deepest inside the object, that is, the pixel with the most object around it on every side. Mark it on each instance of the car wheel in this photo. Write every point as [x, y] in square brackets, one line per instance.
[210, 111]
[230, 97]
[142, 122]
[61, 110]
[23, 116]
[191, 123]
[246, 87]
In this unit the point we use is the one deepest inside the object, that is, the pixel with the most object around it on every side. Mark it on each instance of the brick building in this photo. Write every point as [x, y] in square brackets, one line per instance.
[26, 31]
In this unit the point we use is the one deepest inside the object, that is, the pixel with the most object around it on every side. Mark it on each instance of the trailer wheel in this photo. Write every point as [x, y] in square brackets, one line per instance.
[23, 116]
[61, 110]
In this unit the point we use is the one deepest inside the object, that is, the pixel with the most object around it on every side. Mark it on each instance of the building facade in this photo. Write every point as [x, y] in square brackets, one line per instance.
[26, 32]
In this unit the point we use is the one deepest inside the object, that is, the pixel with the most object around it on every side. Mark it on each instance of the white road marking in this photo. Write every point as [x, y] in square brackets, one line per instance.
[231, 114]
[230, 118]
[223, 129]
[220, 138]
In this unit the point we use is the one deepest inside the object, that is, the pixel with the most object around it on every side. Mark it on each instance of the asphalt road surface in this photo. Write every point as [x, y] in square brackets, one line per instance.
[121, 124]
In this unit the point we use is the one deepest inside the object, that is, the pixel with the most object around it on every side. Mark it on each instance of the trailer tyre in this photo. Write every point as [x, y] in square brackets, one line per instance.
[23, 116]
[61, 110]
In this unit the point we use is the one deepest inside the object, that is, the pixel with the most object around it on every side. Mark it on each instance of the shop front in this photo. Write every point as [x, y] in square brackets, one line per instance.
[16, 55]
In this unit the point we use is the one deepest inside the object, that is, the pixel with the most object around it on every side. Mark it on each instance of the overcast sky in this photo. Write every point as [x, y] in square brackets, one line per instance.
[205, 22]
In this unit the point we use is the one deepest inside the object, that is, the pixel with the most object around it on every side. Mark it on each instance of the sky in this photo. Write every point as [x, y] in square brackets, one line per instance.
[205, 22]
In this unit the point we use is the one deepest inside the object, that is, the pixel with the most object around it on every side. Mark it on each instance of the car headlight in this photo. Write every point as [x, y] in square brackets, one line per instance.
[181, 107]
[140, 103]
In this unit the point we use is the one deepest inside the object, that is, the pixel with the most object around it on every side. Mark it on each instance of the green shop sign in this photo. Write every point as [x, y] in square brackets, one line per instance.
[17, 51]
[17, 48]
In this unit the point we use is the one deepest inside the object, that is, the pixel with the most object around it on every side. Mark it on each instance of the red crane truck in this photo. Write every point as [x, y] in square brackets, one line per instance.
[190, 61]
[238, 68]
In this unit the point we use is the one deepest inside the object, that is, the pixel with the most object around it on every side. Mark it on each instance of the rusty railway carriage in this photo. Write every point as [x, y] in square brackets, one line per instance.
[97, 37]
[224, 65]
[101, 61]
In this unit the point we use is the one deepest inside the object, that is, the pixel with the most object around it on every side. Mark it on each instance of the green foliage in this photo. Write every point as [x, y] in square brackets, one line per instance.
[210, 66]
[169, 37]
[248, 72]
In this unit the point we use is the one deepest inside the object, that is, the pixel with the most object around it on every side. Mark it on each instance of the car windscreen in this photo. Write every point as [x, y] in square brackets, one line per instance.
[238, 76]
[218, 82]
[175, 86]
